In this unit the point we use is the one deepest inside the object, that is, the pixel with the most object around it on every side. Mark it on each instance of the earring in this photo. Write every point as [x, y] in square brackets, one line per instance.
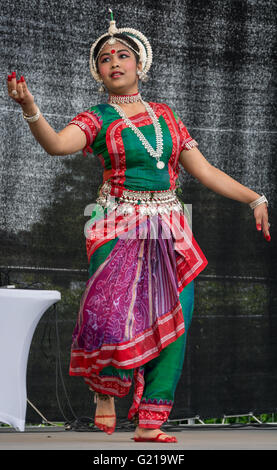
[102, 88]
[142, 76]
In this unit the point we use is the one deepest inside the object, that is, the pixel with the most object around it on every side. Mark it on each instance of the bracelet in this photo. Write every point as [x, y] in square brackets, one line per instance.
[258, 201]
[33, 118]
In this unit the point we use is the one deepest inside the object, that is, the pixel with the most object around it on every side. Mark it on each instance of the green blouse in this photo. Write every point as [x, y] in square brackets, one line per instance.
[126, 162]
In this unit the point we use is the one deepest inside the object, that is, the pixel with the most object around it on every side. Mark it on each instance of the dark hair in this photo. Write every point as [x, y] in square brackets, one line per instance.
[125, 38]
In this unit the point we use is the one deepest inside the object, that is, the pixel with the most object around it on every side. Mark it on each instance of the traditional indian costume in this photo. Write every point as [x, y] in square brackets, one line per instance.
[137, 306]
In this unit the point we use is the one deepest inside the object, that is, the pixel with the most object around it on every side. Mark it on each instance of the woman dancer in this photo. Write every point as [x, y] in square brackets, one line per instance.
[138, 303]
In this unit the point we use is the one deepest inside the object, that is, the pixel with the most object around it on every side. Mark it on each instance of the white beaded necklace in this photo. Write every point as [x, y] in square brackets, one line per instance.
[158, 132]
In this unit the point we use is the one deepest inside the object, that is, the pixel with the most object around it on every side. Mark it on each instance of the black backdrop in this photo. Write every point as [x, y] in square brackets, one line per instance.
[215, 64]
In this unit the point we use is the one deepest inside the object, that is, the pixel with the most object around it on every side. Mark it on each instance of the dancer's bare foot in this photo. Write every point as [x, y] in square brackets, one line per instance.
[105, 417]
[145, 433]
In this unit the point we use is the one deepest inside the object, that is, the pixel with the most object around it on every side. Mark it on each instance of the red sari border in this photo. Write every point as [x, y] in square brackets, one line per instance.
[110, 385]
[134, 353]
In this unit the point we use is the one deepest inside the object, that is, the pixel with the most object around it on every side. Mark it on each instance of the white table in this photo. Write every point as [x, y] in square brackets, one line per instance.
[20, 312]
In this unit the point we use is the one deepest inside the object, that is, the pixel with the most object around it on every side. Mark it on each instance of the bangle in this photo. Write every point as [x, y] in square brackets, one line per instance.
[33, 118]
[258, 201]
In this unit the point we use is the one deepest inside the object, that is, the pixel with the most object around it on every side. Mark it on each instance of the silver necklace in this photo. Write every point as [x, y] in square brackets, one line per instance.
[158, 132]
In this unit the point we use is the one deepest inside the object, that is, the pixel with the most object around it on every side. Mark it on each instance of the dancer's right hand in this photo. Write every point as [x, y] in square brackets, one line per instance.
[19, 92]
[69, 140]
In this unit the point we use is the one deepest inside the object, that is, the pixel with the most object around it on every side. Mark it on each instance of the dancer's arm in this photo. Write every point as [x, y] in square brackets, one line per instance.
[196, 164]
[69, 140]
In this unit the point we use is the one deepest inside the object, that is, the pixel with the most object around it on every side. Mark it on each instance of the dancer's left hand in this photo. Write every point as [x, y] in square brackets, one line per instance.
[261, 216]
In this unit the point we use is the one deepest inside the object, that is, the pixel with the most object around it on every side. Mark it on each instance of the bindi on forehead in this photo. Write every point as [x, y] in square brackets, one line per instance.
[113, 47]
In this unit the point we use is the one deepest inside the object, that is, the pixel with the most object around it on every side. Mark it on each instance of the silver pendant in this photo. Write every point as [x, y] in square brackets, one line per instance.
[160, 165]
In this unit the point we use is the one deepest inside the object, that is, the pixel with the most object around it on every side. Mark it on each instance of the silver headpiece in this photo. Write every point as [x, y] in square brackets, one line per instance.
[145, 50]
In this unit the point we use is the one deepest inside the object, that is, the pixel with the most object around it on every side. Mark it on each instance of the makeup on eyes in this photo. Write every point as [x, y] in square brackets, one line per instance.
[113, 51]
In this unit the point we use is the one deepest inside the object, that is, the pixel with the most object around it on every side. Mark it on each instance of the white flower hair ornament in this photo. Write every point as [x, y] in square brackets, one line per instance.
[145, 50]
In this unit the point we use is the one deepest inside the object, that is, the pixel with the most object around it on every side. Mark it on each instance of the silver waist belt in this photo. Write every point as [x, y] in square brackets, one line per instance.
[151, 202]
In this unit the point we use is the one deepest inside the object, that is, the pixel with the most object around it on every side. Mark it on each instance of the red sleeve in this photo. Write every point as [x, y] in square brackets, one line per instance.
[90, 124]
[187, 142]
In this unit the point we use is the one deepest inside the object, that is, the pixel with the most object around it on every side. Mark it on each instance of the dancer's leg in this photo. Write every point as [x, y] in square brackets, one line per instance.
[161, 376]
[153, 370]
[109, 383]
